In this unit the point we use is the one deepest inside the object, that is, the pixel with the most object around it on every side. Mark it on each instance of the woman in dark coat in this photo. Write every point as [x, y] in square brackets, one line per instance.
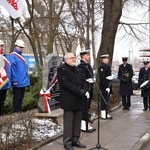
[125, 74]
[144, 75]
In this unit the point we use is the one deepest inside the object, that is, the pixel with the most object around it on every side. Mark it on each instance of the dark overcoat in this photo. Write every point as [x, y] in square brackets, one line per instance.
[125, 74]
[104, 71]
[87, 73]
[144, 75]
[71, 82]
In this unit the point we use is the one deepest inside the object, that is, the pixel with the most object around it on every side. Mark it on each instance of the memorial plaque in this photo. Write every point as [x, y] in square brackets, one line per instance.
[50, 82]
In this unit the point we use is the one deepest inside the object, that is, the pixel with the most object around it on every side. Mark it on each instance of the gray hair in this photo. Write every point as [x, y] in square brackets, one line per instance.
[67, 56]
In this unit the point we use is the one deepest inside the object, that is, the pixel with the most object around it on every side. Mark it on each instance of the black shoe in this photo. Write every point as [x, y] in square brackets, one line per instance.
[128, 108]
[144, 109]
[123, 108]
[78, 144]
[68, 147]
[109, 118]
[89, 130]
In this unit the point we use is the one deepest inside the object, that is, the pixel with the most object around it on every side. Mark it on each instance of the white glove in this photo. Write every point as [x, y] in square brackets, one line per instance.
[108, 90]
[91, 80]
[109, 78]
[87, 95]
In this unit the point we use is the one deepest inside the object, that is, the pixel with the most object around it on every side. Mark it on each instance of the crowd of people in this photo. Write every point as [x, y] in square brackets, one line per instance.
[14, 74]
[76, 88]
[76, 92]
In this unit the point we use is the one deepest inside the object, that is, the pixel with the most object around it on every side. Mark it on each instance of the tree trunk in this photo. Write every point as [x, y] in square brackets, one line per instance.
[112, 14]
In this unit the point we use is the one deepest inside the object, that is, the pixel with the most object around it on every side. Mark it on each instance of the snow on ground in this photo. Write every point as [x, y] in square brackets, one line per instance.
[45, 128]
[41, 129]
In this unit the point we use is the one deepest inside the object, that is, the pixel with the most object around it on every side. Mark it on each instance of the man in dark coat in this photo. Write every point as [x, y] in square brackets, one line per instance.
[125, 74]
[71, 100]
[105, 85]
[87, 73]
[144, 77]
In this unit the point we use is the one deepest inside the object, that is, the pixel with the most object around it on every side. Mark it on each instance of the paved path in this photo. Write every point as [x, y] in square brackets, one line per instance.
[127, 131]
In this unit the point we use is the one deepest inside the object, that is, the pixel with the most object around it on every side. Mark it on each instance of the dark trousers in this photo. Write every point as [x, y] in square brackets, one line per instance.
[126, 101]
[2, 99]
[85, 112]
[104, 101]
[72, 125]
[146, 102]
[18, 95]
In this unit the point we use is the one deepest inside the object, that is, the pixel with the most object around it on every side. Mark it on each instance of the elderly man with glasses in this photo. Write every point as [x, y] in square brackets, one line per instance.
[72, 94]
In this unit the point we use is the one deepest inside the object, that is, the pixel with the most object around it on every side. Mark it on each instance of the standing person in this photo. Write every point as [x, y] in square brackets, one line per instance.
[87, 73]
[20, 77]
[105, 85]
[71, 100]
[7, 67]
[144, 75]
[125, 74]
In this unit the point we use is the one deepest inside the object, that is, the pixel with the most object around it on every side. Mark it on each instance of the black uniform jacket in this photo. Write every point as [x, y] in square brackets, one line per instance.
[125, 74]
[87, 73]
[104, 71]
[71, 82]
[144, 75]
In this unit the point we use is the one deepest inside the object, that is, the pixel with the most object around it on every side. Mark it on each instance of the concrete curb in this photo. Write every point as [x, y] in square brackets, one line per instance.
[142, 141]
[47, 141]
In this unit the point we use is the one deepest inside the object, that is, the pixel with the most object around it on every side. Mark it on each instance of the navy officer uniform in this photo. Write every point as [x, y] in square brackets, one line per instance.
[105, 85]
[125, 74]
[144, 76]
[87, 73]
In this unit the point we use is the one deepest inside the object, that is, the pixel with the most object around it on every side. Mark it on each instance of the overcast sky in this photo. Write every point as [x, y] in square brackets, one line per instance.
[125, 44]
[129, 45]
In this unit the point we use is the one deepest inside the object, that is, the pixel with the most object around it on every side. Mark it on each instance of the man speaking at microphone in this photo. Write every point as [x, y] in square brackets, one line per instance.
[72, 93]
[87, 72]
[105, 85]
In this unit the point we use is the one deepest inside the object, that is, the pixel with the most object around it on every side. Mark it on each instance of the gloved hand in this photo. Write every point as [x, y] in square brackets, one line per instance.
[109, 78]
[108, 90]
[87, 95]
[91, 80]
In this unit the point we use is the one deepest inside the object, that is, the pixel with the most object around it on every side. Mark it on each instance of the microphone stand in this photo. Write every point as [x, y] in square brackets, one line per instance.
[98, 145]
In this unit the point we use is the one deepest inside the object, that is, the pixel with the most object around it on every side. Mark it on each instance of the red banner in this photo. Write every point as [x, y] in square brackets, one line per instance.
[14, 7]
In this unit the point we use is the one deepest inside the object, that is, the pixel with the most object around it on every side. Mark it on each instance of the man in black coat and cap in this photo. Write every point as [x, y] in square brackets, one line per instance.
[87, 73]
[105, 86]
[125, 74]
[72, 93]
[144, 83]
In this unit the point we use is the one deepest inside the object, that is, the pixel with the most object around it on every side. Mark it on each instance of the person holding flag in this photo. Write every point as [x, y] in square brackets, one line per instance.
[5, 77]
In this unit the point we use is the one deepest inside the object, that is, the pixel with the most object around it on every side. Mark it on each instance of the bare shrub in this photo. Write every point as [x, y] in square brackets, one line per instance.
[16, 129]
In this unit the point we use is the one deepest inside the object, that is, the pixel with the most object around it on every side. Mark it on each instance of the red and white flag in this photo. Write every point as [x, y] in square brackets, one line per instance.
[3, 77]
[14, 7]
